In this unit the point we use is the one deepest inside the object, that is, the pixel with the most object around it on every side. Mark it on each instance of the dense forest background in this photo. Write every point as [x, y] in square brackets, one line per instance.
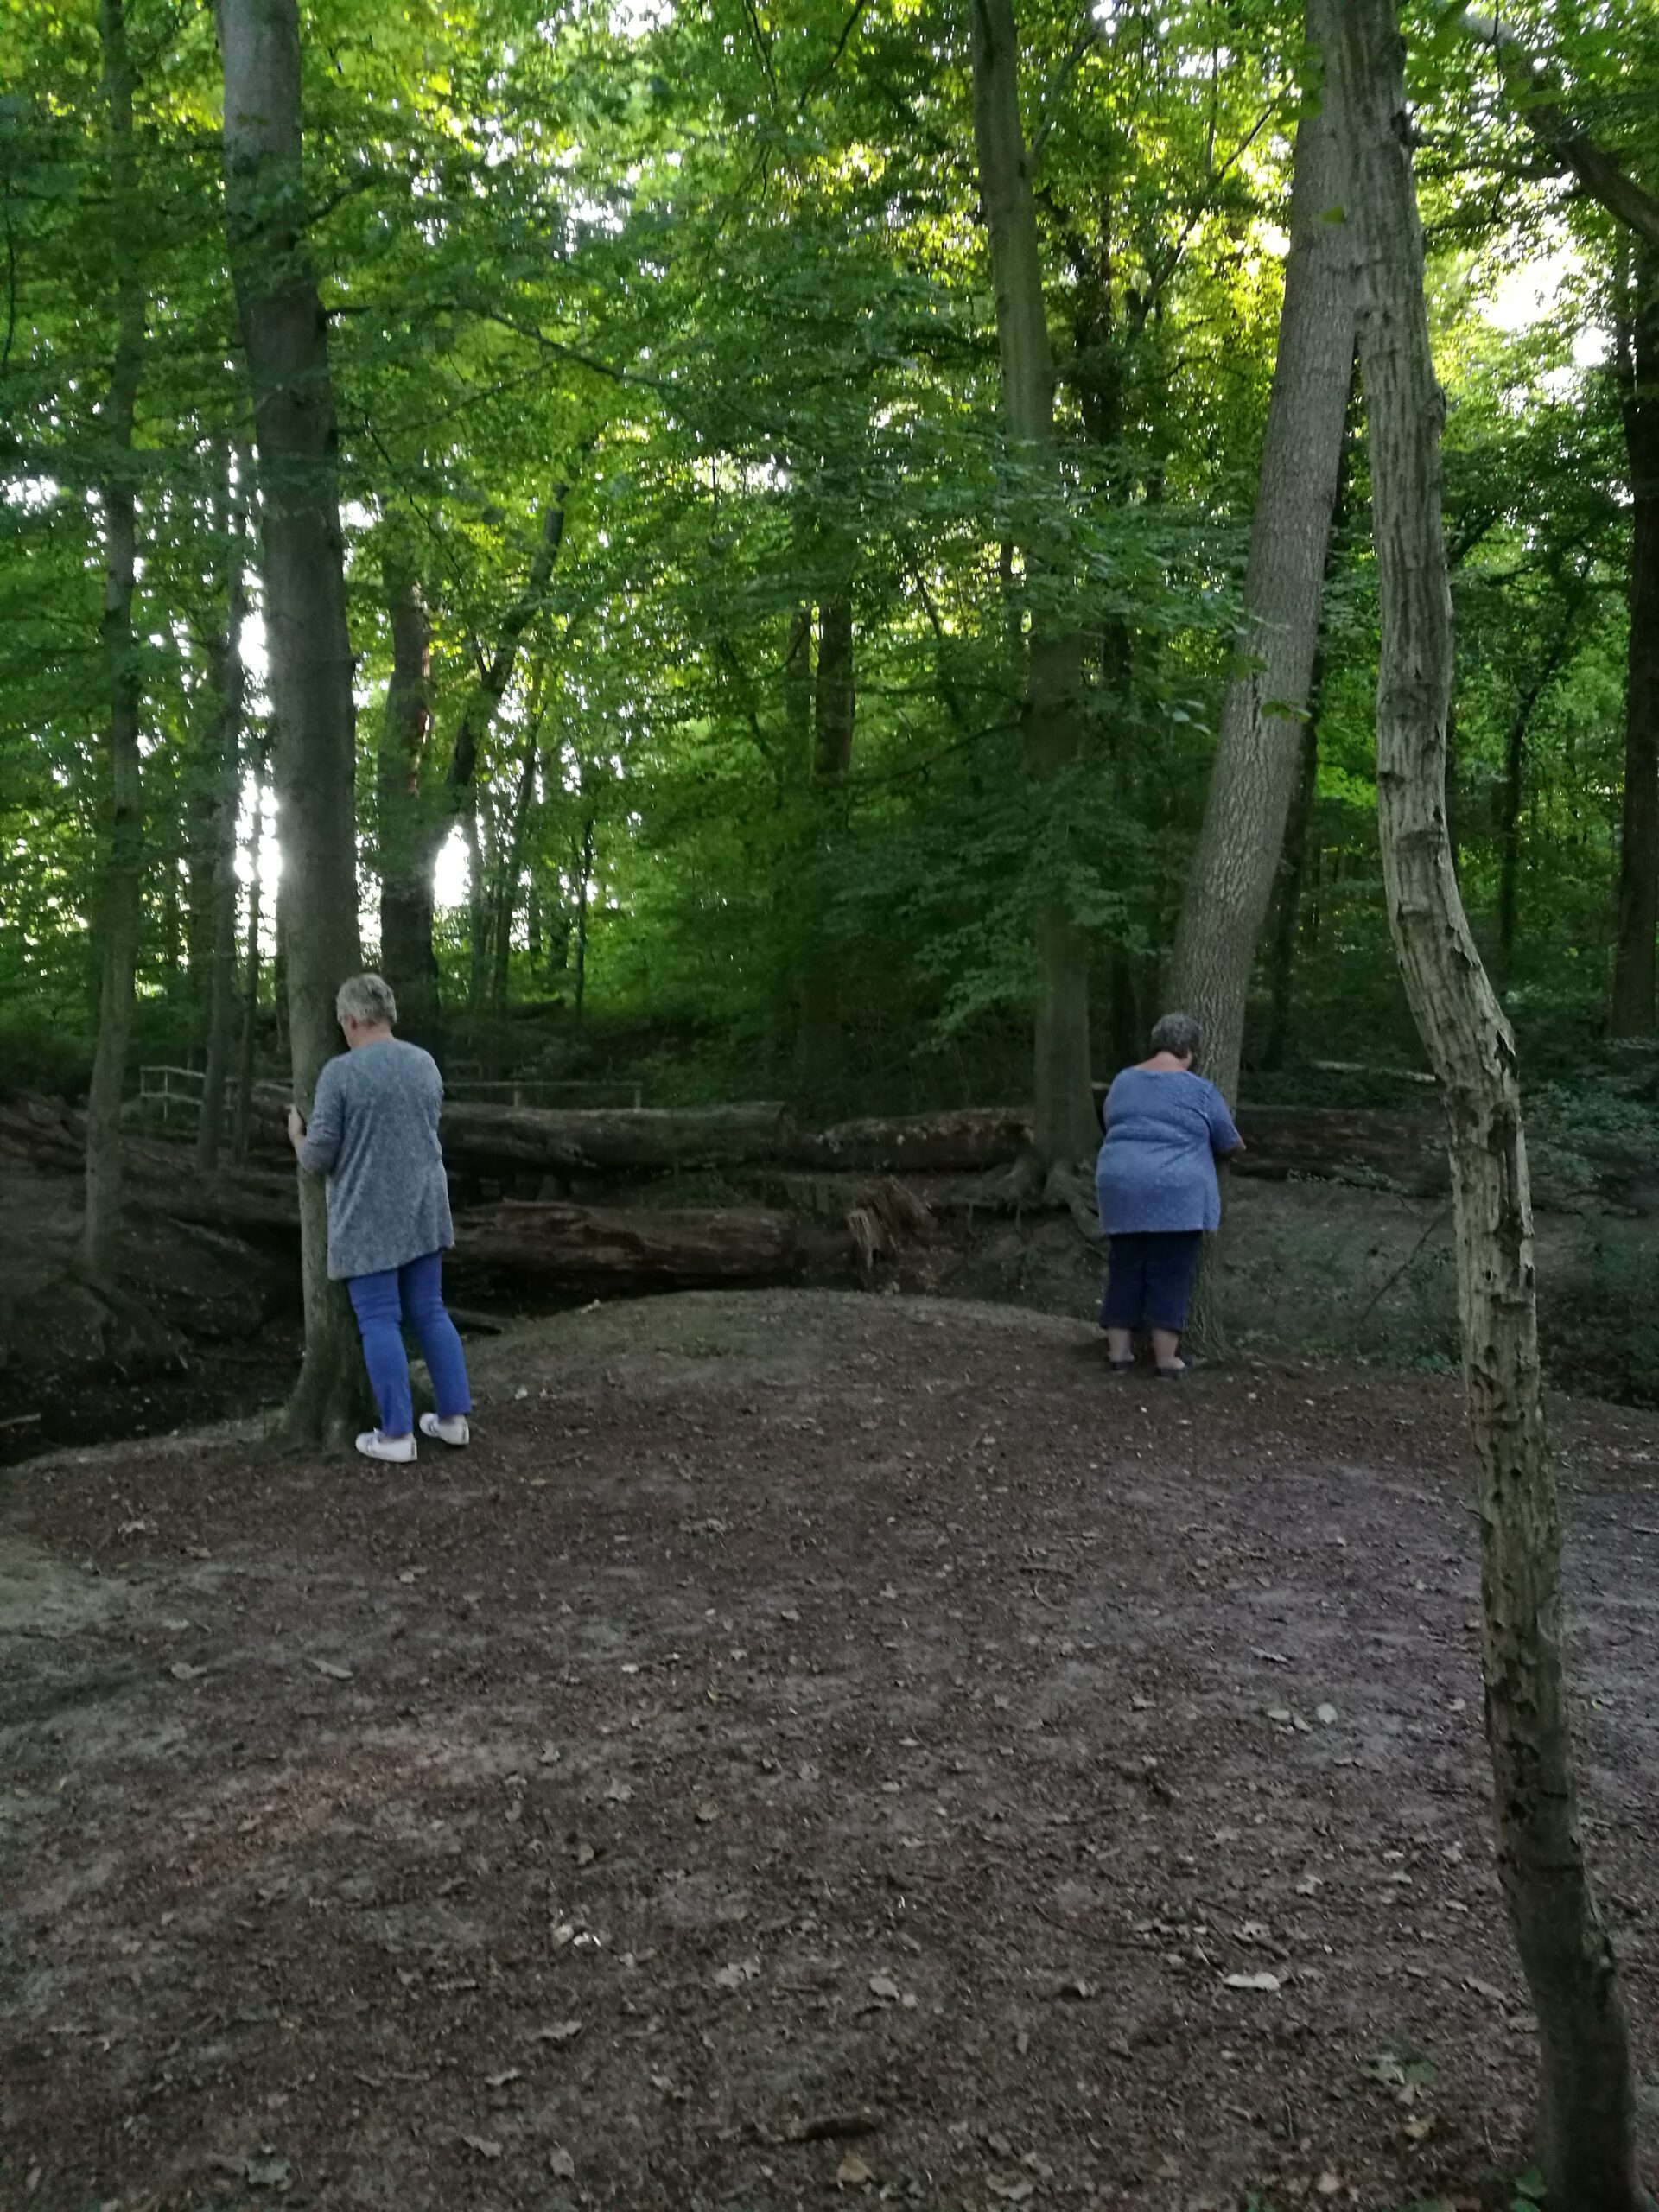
[682, 540]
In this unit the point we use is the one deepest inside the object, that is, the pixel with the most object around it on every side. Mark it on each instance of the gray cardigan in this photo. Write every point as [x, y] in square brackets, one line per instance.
[373, 1132]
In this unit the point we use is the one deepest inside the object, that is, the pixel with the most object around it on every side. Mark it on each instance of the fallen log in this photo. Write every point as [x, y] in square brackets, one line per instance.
[511, 1139]
[1404, 1151]
[243, 1201]
[45, 1132]
[961, 1142]
[159, 1175]
[644, 1247]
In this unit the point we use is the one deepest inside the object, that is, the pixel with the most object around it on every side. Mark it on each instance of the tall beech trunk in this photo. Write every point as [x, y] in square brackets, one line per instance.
[120, 886]
[1584, 2047]
[1259, 751]
[1066, 1129]
[228, 689]
[1631, 1013]
[407, 958]
[284, 337]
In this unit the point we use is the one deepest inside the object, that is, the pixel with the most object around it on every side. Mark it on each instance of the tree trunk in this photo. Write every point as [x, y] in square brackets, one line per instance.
[407, 959]
[228, 691]
[243, 1113]
[1260, 749]
[121, 886]
[1586, 2125]
[1066, 1129]
[1632, 1009]
[284, 336]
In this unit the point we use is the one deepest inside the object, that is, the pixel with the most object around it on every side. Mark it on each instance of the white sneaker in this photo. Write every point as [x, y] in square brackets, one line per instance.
[373, 1445]
[451, 1429]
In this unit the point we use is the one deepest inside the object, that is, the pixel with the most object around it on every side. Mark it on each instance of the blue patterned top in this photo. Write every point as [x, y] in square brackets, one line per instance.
[374, 1133]
[1157, 1167]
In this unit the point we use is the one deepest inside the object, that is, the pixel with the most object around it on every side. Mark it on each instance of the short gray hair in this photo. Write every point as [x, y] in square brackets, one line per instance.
[1178, 1033]
[366, 998]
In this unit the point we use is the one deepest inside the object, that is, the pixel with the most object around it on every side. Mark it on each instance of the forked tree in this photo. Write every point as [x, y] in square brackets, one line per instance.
[285, 340]
[1586, 2117]
[1258, 754]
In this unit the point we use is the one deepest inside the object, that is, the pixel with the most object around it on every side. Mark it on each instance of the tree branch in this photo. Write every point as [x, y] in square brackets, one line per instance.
[1085, 41]
[1529, 80]
[822, 76]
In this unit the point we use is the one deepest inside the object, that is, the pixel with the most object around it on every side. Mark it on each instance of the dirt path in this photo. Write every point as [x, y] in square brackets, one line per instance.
[810, 1743]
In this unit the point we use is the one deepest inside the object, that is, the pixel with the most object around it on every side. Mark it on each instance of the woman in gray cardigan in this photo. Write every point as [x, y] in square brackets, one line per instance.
[374, 1133]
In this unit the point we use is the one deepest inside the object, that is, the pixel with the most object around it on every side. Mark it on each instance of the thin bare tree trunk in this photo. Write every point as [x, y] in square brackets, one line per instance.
[1293, 870]
[1631, 1013]
[1259, 751]
[510, 872]
[793, 910]
[1512, 789]
[478, 903]
[584, 892]
[284, 337]
[835, 709]
[407, 857]
[242, 1114]
[1065, 1130]
[119, 904]
[1586, 2112]
[228, 689]
[454, 805]
[836, 704]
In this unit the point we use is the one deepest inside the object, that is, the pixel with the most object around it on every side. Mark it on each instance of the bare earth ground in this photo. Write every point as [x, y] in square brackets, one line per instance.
[811, 1744]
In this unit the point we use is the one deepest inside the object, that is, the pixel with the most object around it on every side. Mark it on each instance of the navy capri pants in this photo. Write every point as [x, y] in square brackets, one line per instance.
[1150, 1278]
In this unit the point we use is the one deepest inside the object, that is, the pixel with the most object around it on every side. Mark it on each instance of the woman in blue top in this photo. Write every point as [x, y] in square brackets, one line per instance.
[374, 1134]
[1155, 1180]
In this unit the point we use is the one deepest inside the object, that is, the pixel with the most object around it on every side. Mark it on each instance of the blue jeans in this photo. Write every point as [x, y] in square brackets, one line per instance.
[413, 1293]
[1148, 1278]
